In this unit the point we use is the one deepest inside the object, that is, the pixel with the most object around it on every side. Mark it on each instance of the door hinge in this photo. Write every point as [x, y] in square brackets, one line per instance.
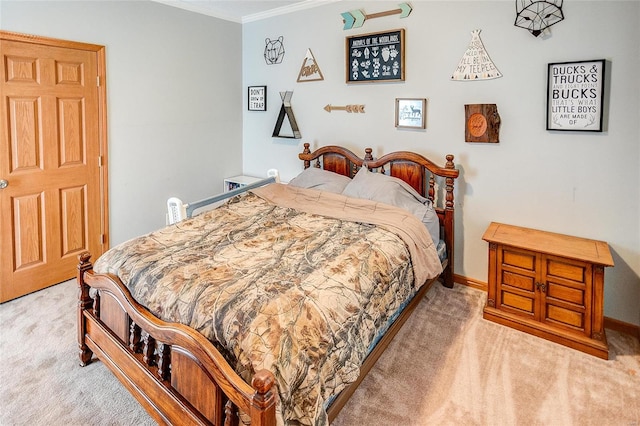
[99, 160]
[98, 80]
[102, 239]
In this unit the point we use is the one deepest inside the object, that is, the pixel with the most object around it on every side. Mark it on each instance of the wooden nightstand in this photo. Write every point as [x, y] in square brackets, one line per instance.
[549, 285]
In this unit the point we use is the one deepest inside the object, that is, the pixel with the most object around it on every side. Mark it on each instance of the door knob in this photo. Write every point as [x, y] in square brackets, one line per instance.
[3, 184]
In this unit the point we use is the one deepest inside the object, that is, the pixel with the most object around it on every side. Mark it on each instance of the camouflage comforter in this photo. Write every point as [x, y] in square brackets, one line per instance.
[300, 291]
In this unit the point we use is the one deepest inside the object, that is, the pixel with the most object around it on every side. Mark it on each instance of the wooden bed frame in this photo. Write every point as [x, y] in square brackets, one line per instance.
[175, 373]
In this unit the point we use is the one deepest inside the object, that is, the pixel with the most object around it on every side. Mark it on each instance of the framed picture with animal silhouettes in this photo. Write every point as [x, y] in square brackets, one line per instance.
[375, 57]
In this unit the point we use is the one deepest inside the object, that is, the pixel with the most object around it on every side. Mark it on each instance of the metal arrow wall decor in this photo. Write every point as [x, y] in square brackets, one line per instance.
[356, 18]
[348, 108]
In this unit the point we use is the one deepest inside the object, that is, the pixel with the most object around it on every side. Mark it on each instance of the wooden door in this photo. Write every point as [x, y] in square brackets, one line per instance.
[52, 156]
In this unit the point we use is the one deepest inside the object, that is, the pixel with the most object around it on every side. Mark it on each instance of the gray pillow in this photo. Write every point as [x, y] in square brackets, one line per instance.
[396, 192]
[322, 180]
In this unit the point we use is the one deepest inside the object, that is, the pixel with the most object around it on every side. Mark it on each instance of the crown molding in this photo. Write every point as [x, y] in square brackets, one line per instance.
[199, 9]
[283, 10]
[306, 4]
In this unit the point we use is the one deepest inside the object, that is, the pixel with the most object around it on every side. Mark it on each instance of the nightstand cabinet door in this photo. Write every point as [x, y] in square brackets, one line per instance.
[565, 298]
[517, 275]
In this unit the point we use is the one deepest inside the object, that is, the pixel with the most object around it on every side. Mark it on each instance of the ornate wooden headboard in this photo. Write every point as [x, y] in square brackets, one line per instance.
[422, 174]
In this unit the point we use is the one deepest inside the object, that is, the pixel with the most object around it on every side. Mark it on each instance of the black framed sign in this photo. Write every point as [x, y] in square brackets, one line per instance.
[575, 92]
[375, 57]
[257, 98]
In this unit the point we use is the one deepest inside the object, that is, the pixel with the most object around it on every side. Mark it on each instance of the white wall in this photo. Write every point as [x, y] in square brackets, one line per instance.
[584, 184]
[174, 99]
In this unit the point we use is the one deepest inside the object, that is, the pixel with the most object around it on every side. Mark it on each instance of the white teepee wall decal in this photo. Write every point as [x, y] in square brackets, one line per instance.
[476, 63]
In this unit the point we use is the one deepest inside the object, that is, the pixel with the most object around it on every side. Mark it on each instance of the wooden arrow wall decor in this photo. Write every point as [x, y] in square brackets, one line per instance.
[356, 18]
[348, 108]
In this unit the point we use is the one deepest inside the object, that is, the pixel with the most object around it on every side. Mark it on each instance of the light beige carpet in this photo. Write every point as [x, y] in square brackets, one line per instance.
[447, 366]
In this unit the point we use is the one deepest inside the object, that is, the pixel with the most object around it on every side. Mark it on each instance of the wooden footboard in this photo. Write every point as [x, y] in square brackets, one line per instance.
[172, 370]
[175, 373]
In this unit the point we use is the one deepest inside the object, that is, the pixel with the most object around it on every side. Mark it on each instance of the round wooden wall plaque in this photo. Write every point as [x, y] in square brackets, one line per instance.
[482, 123]
[477, 125]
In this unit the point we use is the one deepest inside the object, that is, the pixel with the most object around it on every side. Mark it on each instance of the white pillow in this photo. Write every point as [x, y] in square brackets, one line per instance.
[396, 192]
[322, 180]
